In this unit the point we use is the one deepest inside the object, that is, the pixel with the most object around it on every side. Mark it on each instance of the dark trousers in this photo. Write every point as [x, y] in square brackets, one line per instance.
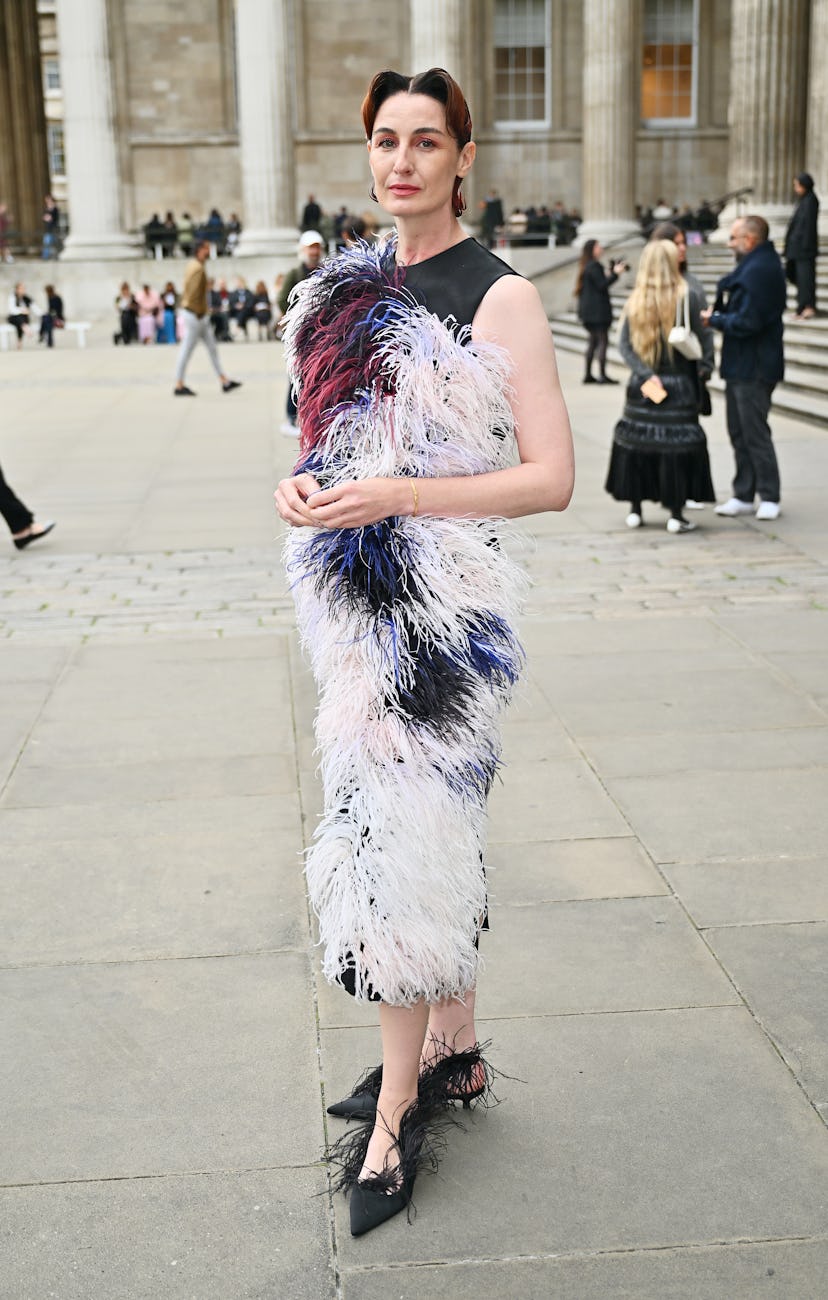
[805, 283]
[47, 325]
[757, 469]
[13, 511]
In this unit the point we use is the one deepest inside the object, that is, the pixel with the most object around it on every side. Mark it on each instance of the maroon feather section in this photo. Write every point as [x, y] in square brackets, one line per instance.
[351, 300]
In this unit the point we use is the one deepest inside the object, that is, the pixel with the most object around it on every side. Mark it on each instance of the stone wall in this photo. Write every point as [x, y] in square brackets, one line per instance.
[176, 107]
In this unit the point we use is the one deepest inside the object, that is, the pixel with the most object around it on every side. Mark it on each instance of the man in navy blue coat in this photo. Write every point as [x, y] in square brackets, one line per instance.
[748, 312]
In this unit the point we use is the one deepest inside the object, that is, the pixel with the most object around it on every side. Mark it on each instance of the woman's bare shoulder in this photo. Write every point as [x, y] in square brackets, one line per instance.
[509, 309]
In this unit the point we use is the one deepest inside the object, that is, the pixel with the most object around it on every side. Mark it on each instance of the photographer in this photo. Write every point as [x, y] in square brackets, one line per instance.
[594, 307]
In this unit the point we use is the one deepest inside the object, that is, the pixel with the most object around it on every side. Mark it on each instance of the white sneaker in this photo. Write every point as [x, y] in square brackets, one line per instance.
[633, 520]
[680, 526]
[768, 510]
[690, 504]
[735, 507]
[290, 430]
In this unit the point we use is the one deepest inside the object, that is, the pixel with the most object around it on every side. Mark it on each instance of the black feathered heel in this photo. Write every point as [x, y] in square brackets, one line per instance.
[381, 1196]
[464, 1076]
[453, 1076]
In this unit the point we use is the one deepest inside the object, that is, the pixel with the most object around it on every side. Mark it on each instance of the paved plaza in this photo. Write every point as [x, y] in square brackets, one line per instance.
[655, 977]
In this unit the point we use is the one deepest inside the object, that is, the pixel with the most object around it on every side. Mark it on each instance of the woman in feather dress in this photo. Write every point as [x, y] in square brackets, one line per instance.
[424, 369]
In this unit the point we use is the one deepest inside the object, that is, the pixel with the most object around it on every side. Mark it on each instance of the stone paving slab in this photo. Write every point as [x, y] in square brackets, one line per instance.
[253, 1233]
[778, 1270]
[36, 784]
[620, 698]
[548, 871]
[568, 793]
[94, 821]
[597, 955]
[616, 1104]
[123, 1070]
[179, 894]
[753, 892]
[782, 971]
[673, 752]
[704, 815]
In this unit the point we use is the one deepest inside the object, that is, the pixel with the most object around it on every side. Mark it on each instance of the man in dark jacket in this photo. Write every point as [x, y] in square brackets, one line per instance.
[748, 312]
[801, 246]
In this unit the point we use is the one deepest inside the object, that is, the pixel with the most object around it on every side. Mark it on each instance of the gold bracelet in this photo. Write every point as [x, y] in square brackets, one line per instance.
[413, 485]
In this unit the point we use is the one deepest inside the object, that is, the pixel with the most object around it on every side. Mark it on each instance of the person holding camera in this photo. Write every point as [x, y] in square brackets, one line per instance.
[594, 307]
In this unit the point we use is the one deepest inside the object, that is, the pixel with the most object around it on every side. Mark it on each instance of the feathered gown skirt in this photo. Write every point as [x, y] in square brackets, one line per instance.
[659, 452]
[409, 626]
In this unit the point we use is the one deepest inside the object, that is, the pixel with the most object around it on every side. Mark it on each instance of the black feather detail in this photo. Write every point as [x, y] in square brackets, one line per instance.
[464, 1076]
[416, 1150]
[370, 1081]
[451, 1076]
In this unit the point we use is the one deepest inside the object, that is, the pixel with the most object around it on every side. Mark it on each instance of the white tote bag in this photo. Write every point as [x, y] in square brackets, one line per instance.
[681, 337]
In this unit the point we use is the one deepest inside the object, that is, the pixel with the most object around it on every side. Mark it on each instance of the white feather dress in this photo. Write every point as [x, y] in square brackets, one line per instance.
[409, 626]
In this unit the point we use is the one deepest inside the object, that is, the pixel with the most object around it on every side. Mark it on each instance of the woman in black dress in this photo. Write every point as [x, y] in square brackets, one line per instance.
[802, 246]
[594, 307]
[424, 369]
[659, 450]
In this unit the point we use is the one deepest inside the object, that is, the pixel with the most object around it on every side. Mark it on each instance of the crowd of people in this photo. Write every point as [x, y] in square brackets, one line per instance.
[178, 236]
[148, 315]
[701, 220]
[534, 225]
[666, 339]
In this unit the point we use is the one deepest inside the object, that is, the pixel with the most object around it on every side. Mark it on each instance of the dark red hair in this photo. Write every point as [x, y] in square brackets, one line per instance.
[437, 84]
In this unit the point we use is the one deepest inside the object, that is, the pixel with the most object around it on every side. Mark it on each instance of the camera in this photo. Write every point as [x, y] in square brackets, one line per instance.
[621, 266]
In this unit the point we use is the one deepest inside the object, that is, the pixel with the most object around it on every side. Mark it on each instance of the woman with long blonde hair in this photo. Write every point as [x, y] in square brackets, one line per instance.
[659, 450]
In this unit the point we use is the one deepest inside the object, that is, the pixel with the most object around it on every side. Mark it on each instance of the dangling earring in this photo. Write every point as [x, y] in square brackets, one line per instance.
[460, 206]
[373, 194]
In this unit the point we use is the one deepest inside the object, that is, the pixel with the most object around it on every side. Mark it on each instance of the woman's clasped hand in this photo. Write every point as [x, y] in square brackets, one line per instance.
[302, 503]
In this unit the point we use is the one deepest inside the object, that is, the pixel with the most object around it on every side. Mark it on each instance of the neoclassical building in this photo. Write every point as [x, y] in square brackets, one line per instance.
[249, 105]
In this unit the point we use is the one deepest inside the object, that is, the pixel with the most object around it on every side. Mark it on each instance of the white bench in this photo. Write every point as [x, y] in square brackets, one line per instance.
[79, 328]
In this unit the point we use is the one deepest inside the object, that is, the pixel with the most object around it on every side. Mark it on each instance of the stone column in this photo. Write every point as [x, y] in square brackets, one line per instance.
[816, 151]
[266, 75]
[24, 166]
[95, 225]
[768, 95]
[611, 114]
[438, 36]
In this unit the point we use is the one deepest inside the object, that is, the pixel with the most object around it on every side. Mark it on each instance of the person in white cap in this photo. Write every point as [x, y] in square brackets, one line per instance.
[311, 253]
